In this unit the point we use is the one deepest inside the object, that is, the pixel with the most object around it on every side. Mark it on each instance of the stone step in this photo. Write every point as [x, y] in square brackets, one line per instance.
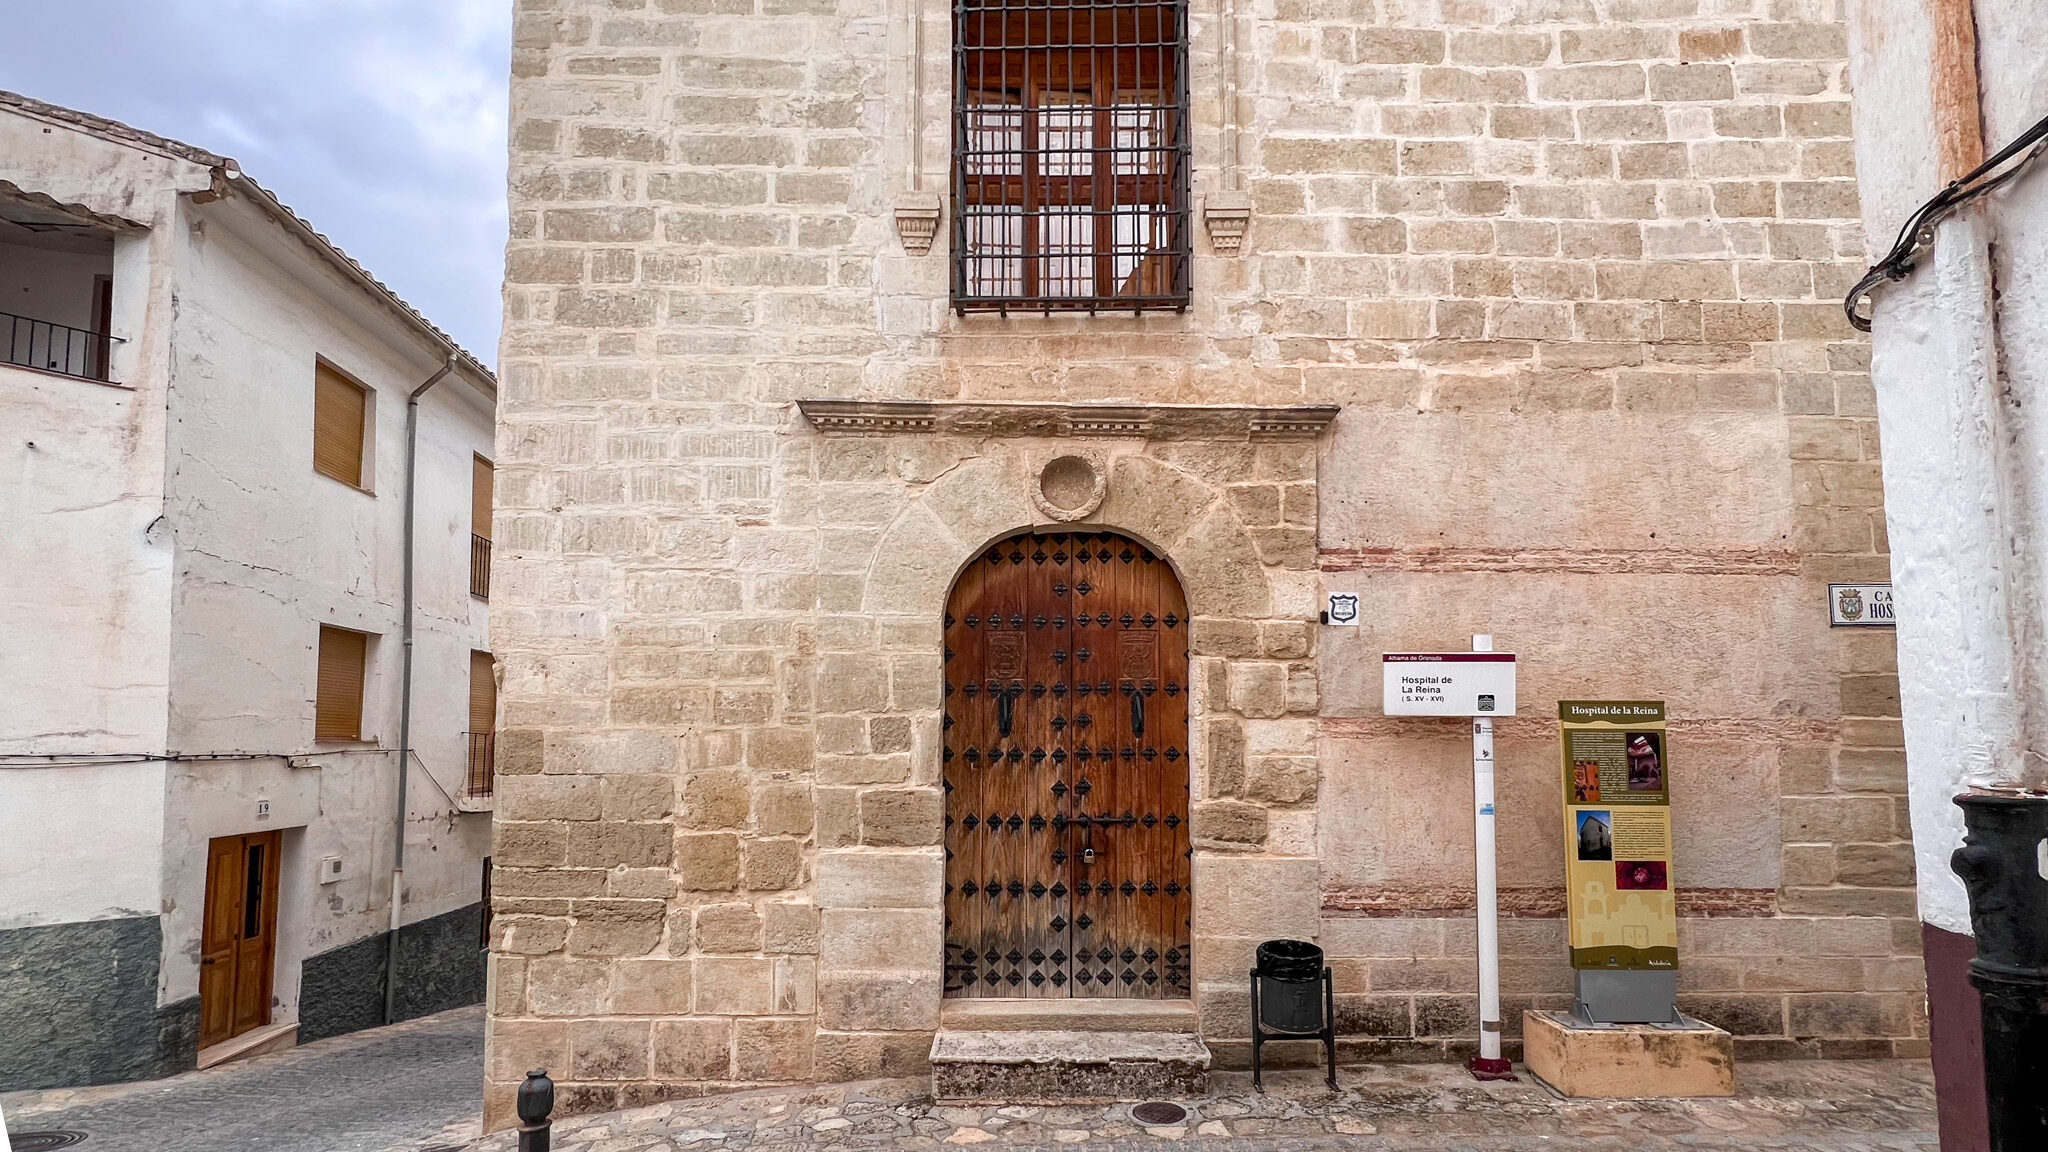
[1069, 1015]
[256, 1042]
[1066, 1066]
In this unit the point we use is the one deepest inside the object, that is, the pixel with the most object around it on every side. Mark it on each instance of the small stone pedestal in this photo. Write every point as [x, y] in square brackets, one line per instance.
[1619, 1061]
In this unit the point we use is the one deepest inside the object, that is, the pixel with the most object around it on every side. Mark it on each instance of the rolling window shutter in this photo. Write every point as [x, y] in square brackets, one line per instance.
[338, 696]
[481, 478]
[483, 694]
[338, 409]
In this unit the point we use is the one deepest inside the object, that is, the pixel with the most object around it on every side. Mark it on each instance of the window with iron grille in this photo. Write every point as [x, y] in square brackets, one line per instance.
[1070, 155]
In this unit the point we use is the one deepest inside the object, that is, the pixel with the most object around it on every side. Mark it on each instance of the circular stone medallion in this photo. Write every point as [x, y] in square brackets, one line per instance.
[1069, 487]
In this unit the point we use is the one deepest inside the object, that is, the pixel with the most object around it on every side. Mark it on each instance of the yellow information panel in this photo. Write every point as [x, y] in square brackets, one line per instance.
[1617, 812]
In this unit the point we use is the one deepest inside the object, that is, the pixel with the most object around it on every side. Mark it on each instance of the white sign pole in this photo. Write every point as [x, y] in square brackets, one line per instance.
[1479, 684]
[1489, 1065]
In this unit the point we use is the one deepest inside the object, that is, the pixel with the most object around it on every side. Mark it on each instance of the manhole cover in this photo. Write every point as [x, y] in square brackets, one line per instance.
[1157, 1112]
[43, 1141]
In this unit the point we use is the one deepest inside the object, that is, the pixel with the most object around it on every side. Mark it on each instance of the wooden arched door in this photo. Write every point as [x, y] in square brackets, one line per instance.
[1066, 771]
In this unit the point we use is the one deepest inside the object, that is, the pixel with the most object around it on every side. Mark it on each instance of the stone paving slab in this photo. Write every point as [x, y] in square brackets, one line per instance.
[1802, 1106]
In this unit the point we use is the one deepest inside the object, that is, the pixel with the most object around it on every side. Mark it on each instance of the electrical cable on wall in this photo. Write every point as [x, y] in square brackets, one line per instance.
[97, 759]
[1918, 233]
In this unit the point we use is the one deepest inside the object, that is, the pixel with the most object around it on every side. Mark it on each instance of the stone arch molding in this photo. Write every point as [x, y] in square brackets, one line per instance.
[1176, 513]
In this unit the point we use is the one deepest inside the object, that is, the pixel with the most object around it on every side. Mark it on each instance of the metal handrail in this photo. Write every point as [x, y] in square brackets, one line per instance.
[59, 348]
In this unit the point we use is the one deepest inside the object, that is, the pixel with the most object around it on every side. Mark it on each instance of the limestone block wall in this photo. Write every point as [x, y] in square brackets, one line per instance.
[742, 884]
[1570, 268]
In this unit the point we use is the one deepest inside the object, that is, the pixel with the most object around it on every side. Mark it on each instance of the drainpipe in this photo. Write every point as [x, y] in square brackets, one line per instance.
[412, 443]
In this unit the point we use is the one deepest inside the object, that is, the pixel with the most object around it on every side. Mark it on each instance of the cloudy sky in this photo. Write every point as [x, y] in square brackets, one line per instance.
[381, 121]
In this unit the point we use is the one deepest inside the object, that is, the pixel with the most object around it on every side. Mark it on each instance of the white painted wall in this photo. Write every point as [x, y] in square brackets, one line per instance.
[84, 600]
[2015, 96]
[80, 842]
[1959, 358]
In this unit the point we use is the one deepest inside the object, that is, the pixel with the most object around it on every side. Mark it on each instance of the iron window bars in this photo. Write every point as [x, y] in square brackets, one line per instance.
[479, 567]
[480, 775]
[1070, 155]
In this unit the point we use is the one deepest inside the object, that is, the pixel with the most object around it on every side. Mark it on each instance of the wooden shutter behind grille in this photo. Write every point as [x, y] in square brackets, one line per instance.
[483, 693]
[338, 409]
[338, 698]
[481, 477]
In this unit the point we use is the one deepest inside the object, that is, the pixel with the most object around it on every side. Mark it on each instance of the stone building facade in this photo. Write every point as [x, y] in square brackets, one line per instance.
[1514, 317]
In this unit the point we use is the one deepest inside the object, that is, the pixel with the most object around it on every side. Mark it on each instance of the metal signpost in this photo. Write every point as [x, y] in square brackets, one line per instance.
[1479, 684]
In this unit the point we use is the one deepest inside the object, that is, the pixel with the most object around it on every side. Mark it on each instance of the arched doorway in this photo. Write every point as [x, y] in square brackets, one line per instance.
[1066, 771]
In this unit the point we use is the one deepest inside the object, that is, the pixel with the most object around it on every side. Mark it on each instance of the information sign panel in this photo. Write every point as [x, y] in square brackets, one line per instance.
[1617, 811]
[1447, 683]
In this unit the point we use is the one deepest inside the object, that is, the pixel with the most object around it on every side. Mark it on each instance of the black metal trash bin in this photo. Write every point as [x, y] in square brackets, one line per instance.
[1292, 999]
[1290, 960]
[1291, 986]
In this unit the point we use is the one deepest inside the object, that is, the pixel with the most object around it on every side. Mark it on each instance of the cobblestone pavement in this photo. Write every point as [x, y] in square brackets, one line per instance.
[1806, 1106]
[414, 1085]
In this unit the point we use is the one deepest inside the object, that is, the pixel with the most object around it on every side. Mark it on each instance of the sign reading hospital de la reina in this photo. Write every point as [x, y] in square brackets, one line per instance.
[1447, 683]
[1617, 813]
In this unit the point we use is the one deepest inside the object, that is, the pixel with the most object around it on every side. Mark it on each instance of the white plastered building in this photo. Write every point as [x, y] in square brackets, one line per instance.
[204, 606]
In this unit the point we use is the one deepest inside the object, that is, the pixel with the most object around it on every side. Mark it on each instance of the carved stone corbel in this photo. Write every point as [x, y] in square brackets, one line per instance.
[1226, 214]
[917, 221]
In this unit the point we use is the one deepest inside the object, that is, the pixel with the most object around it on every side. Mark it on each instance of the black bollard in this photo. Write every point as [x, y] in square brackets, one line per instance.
[536, 1100]
[2004, 864]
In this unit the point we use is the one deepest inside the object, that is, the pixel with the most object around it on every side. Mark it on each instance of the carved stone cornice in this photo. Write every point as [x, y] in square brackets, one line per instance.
[1068, 421]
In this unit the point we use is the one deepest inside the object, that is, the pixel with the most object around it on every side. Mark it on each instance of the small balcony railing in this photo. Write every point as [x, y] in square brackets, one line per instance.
[481, 772]
[479, 567]
[56, 348]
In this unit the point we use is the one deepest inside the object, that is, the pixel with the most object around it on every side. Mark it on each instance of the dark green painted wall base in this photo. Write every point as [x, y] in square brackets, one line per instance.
[78, 1006]
[441, 963]
[78, 1001]
[440, 967]
[342, 990]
